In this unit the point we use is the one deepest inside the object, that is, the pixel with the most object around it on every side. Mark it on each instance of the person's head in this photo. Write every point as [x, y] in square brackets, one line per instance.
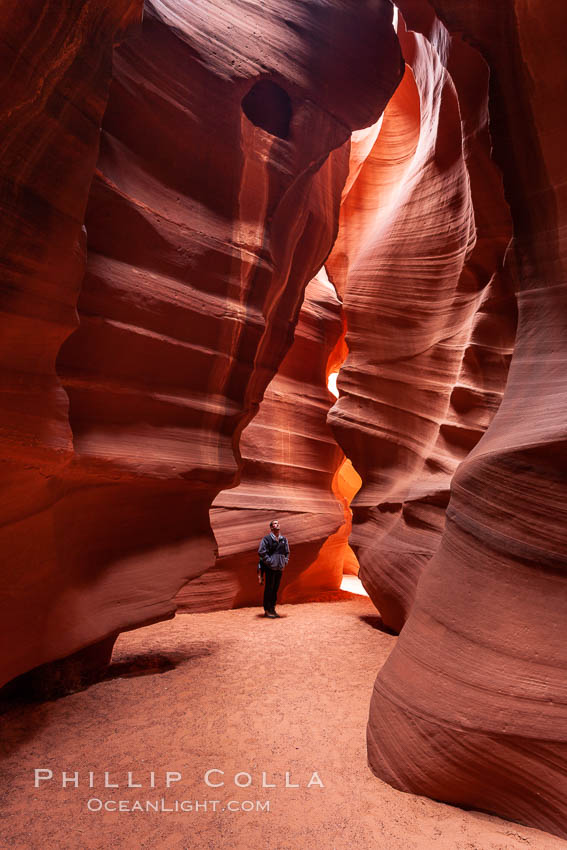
[275, 527]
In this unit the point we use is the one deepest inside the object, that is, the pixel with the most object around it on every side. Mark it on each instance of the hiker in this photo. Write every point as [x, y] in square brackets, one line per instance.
[274, 555]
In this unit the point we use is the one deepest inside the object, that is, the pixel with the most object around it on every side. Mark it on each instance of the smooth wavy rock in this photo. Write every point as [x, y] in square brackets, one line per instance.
[430, 316]
[56, 61]
[223, 155]
[471, 707]
[291, 460]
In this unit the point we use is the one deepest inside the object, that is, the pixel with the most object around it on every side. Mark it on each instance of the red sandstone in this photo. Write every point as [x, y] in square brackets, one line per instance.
[170, 188]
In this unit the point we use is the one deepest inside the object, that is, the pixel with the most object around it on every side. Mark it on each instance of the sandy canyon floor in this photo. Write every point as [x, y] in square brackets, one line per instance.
[233, 692]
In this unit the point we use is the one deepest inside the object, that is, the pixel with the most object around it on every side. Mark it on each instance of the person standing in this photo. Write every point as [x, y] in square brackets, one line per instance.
[274, 555]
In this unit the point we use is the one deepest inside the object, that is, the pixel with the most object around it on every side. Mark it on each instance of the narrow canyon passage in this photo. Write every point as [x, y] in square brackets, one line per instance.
[305, 261]
[231, 691]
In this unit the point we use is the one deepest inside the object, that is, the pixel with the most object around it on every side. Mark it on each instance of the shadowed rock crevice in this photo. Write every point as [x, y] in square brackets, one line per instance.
[268, 105]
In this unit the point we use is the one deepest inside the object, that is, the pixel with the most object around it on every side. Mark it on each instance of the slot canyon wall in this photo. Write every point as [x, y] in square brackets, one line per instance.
[471, 706]
[290, 466]
[430, 313]
[171, 189]
[140, 333]
[56, 63]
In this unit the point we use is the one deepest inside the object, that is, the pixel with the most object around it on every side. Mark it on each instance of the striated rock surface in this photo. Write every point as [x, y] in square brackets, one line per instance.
[291, 462]
[430, 316]
[240, 142]
[56, 69]
[215, 201]
[56, 64]
[471, 707]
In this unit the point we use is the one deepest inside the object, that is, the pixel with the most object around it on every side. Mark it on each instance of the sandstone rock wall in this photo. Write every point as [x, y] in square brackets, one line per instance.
[290, 460]
[149, 313]
[430, 314]
[222, 160]
[56, 61]
[471, 707]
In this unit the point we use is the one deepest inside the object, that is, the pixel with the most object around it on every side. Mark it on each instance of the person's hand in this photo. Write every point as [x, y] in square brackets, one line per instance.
[260, 578]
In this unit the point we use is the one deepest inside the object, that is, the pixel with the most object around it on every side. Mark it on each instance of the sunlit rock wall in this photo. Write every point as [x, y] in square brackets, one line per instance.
[430, 316]
[290, 462]
[471, 707]
[215, 201]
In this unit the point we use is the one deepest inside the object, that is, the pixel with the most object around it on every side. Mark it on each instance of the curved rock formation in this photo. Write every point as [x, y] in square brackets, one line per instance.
[56, 68]
[131, 370]
[290, 462]
[215, 201]
[57, 65]
[471, 707]
[430, 317]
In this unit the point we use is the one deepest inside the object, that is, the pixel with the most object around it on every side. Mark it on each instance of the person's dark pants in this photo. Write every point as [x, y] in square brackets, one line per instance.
[272, 579]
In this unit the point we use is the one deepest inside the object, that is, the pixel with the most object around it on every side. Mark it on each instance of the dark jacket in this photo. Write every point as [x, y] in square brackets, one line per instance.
[273, 552]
